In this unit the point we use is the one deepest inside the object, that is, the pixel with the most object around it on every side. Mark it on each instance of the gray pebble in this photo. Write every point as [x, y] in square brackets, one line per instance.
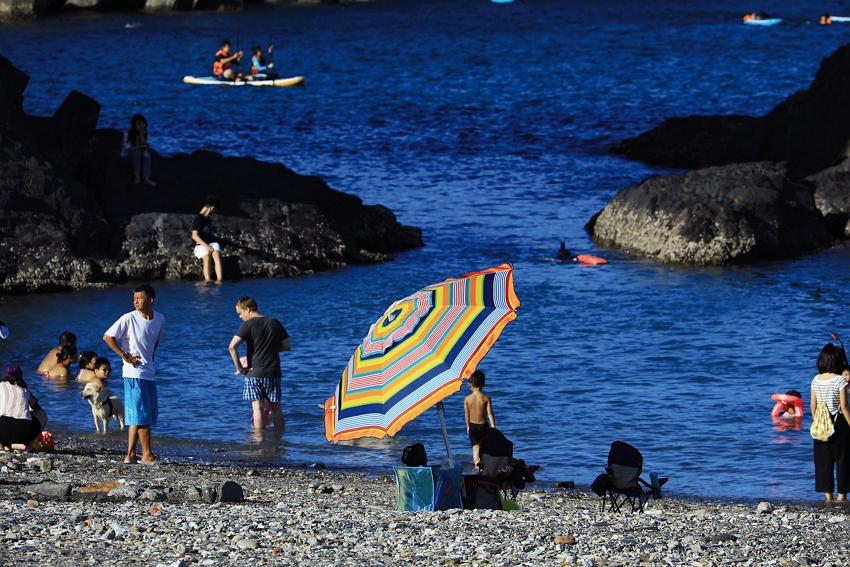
[247, 543]
[154, 494]
[125, 491]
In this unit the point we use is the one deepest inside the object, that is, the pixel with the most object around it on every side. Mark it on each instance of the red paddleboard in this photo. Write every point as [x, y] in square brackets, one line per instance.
[591, 260]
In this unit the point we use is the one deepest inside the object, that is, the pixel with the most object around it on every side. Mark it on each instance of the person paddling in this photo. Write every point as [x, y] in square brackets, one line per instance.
[224, 60]
[258, 63]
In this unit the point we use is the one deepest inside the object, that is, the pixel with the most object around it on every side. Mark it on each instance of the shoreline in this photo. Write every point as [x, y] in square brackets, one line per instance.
[299, 516]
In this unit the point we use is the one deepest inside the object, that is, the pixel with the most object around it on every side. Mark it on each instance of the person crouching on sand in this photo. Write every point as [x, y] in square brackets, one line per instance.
[21, 418]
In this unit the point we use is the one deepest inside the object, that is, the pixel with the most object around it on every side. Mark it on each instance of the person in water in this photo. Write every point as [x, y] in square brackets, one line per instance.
[790, 412]
[224, 62]
[258, 63]
[86, 363]
[62, 366]
[66, 338]
[136, 149]
[825, 19]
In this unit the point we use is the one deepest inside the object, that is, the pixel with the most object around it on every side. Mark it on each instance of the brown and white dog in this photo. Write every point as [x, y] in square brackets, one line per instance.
[103, 406]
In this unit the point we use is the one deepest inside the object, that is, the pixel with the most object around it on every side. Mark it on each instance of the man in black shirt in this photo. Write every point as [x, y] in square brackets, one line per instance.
[266, 338]
[206, 243]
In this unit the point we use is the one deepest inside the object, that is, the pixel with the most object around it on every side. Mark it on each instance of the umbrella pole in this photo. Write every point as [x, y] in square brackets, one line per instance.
[445, 434]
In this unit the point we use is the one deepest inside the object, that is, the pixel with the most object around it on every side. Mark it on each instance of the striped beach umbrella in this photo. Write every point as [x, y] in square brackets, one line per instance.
[419, 352]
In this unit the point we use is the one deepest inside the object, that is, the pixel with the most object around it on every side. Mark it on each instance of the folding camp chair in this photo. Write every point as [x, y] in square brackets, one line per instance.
[624, 485]
[500, 472]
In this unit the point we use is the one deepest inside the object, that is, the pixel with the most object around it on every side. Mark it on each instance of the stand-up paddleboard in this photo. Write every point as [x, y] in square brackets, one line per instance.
[501, 1]
[840, 18]
[766, 22]
[288, 82]
[4, 330]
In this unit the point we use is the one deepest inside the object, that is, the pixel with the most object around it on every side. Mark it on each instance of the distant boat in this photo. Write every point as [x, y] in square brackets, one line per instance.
[765, 22]
[133, 25]
[501, 1]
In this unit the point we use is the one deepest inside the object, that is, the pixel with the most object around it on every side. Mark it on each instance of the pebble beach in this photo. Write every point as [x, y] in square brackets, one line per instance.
[84, 506]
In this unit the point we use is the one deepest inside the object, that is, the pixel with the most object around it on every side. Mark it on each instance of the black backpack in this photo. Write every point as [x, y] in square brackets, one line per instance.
[414, 456]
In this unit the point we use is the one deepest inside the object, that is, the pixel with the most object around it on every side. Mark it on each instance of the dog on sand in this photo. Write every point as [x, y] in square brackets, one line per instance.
[103, 406]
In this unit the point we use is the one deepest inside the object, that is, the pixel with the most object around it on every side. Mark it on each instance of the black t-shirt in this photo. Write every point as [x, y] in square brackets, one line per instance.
[263, 335]
[204, 227]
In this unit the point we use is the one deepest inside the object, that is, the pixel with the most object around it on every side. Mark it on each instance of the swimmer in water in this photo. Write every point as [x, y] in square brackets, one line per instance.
[790, 413]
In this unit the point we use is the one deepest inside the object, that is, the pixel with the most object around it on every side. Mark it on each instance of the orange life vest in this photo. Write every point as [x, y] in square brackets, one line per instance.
[218, 66]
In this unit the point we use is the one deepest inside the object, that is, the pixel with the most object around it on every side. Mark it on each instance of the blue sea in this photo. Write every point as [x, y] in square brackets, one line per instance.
[488, 126]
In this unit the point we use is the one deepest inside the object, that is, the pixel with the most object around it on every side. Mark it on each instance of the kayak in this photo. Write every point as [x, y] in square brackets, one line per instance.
[767, 22]
[288, 82]
[840, 18]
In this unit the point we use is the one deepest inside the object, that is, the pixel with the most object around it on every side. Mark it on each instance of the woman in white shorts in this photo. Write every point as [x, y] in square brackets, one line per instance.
[206, 243]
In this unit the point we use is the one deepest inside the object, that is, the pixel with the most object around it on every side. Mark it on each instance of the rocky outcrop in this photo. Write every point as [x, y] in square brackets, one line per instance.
[810, 130]
[719, 215]
[71, 217]
[832, 197]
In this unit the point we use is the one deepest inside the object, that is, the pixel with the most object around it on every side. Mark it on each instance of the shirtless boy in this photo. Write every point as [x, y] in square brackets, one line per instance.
[67, 338]
[478, 409]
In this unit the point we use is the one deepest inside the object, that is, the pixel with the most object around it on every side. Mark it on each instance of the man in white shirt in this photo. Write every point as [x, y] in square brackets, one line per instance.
[134, 337]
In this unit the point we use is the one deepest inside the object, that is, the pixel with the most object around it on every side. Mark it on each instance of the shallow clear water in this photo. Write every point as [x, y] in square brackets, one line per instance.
[486, 125]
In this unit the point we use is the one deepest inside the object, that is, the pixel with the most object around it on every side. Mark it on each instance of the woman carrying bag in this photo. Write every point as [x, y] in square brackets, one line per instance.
[829, 389]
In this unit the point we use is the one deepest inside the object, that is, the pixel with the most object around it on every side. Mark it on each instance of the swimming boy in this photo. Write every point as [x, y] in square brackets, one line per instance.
[65, 339]
[477, 409]
[224, 60]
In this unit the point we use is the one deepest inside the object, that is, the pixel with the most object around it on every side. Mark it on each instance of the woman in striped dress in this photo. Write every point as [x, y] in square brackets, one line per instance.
[830, 388]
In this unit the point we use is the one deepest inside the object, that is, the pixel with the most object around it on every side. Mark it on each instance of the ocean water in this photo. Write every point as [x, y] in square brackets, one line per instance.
[488, 126]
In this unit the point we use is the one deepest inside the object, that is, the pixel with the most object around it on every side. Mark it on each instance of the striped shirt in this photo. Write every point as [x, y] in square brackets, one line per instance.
[828, 392]
[14, 401]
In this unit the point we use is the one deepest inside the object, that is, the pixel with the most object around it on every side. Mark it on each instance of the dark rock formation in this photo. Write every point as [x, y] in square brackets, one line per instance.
[832, 197]
[810, 130]
[71, 217]
[719, 215]
[17, 10]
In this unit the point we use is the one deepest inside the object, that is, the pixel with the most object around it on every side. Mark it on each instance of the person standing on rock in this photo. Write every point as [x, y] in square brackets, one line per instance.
[266, 338]
[136, 148]
[134, 337]
[207, 244]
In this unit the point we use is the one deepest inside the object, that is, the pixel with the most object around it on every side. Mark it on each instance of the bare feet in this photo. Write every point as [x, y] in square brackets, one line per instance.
[148, 181]
[19, 447]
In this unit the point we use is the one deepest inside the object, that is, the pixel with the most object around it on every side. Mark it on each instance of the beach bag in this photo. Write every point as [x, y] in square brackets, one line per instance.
[414, 456]
[822, 426]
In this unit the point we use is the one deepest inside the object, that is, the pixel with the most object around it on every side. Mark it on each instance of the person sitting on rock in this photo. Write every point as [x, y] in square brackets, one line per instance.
[21, 418]
[62, 367]
[207, 244]
[66, 338]
[224, 61]
[135, 150]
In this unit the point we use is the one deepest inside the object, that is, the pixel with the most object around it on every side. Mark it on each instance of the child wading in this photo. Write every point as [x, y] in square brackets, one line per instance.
[478, 409]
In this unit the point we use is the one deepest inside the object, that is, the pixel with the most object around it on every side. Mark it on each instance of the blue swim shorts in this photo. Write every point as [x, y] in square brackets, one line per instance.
[261, 389]
[140, 404]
